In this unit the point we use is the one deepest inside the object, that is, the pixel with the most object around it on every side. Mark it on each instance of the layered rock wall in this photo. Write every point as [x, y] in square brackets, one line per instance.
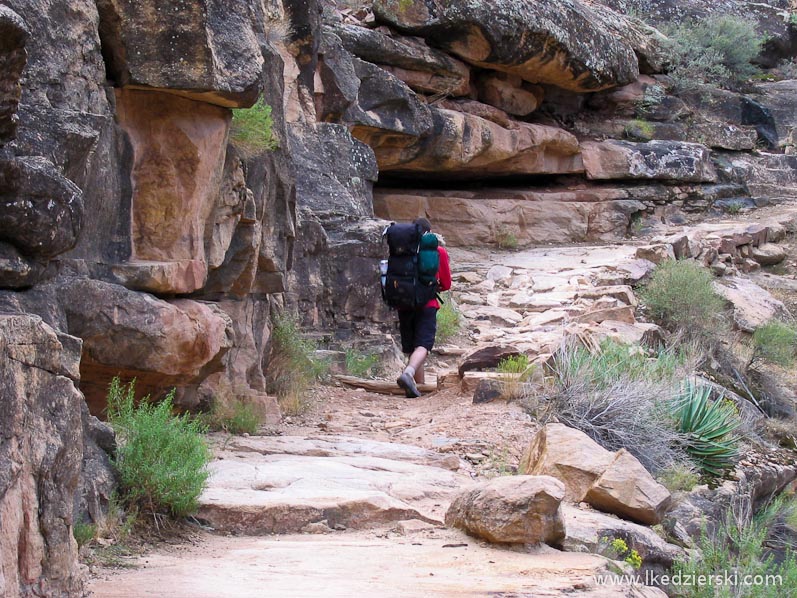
[131, 221]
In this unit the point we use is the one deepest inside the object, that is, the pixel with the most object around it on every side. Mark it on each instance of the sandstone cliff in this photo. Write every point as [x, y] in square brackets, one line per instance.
[137, 239]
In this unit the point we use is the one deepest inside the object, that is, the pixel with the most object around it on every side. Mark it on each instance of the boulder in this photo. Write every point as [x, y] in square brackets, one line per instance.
[753, 306]
[721, 135]
[768, 254]
[591, 531]
[40, 210]
[562, 43]
[511, 510]
[506, 93]
[132, 334]
[778, 98]
[13, 37]
[423, 68]
[657, 254]
[667, 160]
[488, 390]
[479, 109]
[568, 455]
[40, 459]
[207, 50]
[460, 144]
[16, 271]
[625, 488]
[97, 477]
[624, 314]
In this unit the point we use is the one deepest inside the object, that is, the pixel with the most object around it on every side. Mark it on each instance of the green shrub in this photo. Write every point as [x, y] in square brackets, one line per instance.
[737, 547]
[718, 50]
[709, 424]
[233, 415]
[361, 364]
[680, 295]
[614, 361]
[516, 372]
[505, 239]
[679, 478]
[252, 129]
[775, 342]
[161, 459]
[293, 365]
[449, 320]
[617, 549]
[639, 130]
[84, 532]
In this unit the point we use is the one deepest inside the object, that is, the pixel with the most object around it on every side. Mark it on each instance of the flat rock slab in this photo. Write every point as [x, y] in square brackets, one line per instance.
[281, 485]
[444, 564]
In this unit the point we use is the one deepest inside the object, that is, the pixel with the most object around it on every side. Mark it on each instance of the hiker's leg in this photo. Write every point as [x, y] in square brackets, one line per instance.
[417, 358]
[425, 331]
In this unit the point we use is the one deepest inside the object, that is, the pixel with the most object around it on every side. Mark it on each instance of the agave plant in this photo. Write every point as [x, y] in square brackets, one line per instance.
[709, 425]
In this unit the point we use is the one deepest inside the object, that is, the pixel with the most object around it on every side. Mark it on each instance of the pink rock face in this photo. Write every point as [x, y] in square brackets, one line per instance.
[40, 457]
[470, 145]
[131, 334]
[473, 218]
[178, 156]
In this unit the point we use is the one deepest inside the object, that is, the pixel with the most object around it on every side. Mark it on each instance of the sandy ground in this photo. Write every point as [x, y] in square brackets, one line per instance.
[440, 563]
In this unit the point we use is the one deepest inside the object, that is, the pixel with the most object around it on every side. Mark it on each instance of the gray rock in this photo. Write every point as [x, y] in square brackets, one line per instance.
[669, 160]
[591, 531]
[524, 38]
[450, 75]
[40, 210]
[13, 37]
[209, 49]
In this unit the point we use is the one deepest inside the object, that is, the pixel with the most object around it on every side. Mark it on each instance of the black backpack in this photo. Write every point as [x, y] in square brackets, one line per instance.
[411, 279]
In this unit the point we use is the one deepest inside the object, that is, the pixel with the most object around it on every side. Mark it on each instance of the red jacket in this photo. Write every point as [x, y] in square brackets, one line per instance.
[443, 276]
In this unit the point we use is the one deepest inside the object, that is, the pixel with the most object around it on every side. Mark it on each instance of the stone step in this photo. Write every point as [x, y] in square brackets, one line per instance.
[261, 485]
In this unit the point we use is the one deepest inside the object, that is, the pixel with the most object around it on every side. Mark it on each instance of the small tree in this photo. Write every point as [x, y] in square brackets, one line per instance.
[680, 295]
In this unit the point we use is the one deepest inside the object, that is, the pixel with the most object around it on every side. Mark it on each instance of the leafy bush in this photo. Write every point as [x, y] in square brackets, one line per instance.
[709, 424]
[361, 364]
[718, 50]
[737, 548]
[161, 459]
[293, 366]
[83, 532]
[449, 320]
[680, 295]
[775, 342]
[252, 129]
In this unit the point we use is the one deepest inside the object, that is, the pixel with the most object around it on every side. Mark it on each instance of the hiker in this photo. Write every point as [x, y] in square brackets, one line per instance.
[418, 323]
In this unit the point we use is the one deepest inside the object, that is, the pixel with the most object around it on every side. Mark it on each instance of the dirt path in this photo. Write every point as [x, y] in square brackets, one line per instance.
[440, 563]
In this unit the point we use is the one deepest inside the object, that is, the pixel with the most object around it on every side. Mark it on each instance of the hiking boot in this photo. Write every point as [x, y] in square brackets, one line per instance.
[406, 382]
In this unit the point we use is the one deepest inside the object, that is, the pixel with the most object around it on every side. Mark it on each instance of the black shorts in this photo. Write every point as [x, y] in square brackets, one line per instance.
[418, 328]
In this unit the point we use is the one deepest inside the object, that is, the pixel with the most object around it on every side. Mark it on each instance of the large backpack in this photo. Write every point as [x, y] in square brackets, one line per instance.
[411, 279]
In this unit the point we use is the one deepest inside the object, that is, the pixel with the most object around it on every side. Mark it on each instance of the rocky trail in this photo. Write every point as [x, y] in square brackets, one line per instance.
[350, 499]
